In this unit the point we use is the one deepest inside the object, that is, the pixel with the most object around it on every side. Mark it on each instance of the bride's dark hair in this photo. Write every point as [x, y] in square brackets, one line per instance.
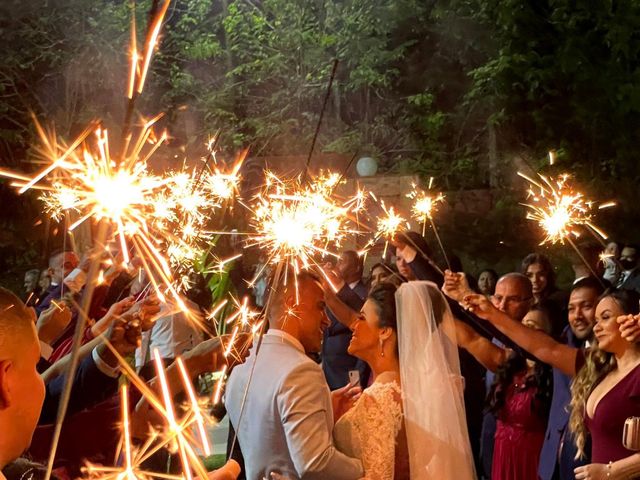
[384, 298]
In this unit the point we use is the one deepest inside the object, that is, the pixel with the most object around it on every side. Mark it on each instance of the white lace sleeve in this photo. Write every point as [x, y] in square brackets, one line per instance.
[377, 429]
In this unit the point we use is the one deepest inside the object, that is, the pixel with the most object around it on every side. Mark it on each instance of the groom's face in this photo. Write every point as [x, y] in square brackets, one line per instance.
[311, 315]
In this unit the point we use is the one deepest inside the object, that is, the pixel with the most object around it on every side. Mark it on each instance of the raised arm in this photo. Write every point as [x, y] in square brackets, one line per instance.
[537, 343]
[488, 354]
[456, 288]
[334, 289]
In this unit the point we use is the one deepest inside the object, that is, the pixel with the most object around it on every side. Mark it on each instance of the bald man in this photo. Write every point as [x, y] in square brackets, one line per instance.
[25, 400]
[21, 388]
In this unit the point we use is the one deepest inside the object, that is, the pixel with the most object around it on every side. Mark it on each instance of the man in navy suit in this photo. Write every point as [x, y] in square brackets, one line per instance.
[557, 458]
[336, 362]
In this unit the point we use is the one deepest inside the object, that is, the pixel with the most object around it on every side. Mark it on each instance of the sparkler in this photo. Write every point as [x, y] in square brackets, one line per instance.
[562, 212]
[389, 224]
[424, 205]
[295, 223]
[174, 433]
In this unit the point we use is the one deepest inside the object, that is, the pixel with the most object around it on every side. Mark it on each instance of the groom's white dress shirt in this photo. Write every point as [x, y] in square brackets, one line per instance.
[287, 424]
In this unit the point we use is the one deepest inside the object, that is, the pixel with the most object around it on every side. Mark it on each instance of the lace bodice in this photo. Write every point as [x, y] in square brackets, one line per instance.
[369, 431]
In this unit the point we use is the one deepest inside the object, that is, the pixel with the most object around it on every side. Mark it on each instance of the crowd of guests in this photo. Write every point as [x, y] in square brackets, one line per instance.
[550, 376]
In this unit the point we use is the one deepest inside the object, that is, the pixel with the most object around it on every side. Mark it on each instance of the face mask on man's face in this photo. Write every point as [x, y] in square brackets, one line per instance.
[627, 264]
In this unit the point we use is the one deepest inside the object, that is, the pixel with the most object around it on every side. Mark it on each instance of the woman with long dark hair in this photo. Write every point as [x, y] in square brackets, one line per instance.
[520, 398]
[539, 270]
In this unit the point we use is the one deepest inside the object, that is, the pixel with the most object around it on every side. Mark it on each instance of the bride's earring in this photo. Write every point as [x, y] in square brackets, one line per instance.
[381, 348]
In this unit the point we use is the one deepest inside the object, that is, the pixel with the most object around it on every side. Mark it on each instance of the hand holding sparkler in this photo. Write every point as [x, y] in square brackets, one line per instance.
[230, 471]
[124, 337]
[52, 322]
[116, 310]
[480, 305]
[209, 356]
[456, 285]
[147, 310]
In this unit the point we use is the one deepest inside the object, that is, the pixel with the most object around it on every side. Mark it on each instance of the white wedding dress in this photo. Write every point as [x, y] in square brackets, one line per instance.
[369, 431]
[429, 409]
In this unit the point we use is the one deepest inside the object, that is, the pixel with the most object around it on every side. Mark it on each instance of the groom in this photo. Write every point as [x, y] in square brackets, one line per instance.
[288, 419]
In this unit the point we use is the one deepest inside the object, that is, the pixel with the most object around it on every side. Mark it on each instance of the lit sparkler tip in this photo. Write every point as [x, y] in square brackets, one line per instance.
[424, 203]
[390, 223]
[559, 209]
[295, 222]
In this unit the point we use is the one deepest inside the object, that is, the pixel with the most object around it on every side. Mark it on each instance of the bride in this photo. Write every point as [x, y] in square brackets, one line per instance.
[410, 423]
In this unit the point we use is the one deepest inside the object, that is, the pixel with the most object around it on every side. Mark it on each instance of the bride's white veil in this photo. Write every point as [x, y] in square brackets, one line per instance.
[432, 386]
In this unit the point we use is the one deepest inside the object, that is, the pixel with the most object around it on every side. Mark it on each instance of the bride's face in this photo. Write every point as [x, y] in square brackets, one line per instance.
[366, 333]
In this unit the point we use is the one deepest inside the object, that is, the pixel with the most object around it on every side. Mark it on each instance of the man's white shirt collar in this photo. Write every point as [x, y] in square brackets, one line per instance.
[353, 285]
[274, 332]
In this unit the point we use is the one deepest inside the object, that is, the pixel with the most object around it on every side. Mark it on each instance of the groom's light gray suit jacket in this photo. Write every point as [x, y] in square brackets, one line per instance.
[288, 420]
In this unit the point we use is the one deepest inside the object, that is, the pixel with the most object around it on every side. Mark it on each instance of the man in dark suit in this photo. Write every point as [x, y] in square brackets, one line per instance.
[630, 275]
[336, 362]
[557, 457]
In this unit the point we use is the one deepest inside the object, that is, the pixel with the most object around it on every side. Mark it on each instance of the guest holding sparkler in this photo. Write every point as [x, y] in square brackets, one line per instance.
[519, 397]
[414, 258]
[24, 399]
[557, 458]
[607, 377]
[606, 391]
[513, 295]
[336, 361]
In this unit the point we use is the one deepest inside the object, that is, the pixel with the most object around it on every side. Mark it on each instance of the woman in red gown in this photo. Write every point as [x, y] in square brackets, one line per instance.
[520, 398]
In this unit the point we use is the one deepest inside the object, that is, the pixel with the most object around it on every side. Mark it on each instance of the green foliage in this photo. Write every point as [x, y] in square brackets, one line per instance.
[562, 74]
[429, 88]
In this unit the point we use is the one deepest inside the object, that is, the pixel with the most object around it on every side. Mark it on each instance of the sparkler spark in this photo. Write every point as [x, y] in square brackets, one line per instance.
[295, 223]
[424, 204]
[559, 209]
